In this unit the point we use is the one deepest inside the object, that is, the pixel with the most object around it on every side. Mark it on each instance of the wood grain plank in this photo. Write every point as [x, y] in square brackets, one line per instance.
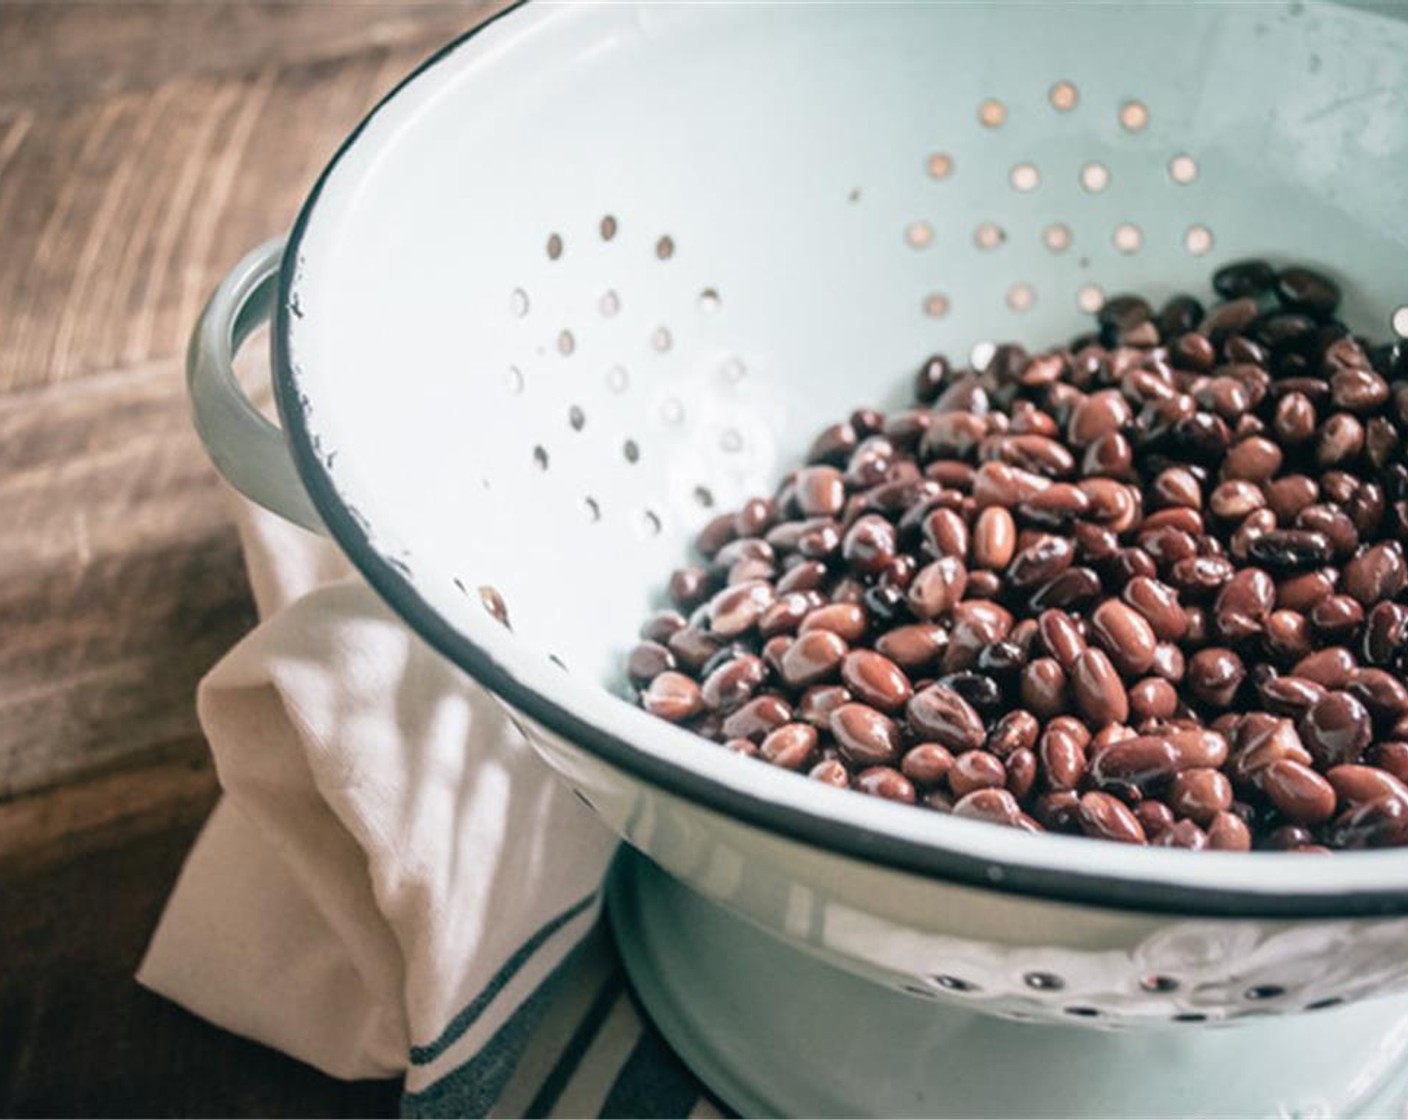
[61, 825]
[78, 1037]
[120, 575]
[60, 52]
[126, 190]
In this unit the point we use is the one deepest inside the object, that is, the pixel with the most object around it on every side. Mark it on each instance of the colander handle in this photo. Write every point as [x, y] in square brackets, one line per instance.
[246, 448]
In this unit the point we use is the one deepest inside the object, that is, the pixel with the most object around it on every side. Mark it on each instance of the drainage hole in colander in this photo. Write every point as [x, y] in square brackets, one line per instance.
[989, 235]
[1021, 296]
[617, 379]
[1082, 1012]
[1324, 1004]
[854, 196]
[1128, 237]
[940, 165]
[1159, 984]
[992, 113]
[665, 247]
[1063, 96]
[592, 508]
[1190, 1017]
[1134, 116]
[540, 457]
[558, 661]
[954, 984]
[1089, 298]
[1265, 991]
[936, 305]
[1043, 981]
[709, 301]
[1094, 177]
[1400, 322]
[518, 302]
[1198, 240]
[651, 522]
[513, 380]
[1183, 168]
[730, 440]
[1057, 237]
[704, 496]
[609, 304]
[733, 370]
[631, 450]
[554, 247]
[493, 602]
[919, 234]
[1025, 177]
[566, 343]
[576, 418]
[661, 339]
[608, 227]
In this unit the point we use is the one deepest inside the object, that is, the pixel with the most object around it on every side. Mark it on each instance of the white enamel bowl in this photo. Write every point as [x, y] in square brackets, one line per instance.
[594, 271]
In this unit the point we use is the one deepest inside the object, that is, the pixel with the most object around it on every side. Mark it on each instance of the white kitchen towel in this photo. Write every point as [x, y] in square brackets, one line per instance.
[393, 881]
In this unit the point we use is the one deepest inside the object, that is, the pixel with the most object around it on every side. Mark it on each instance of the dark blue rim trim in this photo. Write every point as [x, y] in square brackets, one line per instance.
[1053, 883]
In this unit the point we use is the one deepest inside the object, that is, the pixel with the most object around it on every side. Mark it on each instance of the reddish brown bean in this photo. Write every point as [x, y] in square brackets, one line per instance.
[673, 696]
[1229, 833]
[994, 539]
[913, 647]
[1103, 816]
[1159, 605]
[876, 680]
[1061, 637]
[734, 682]
[1021, 773]
[756, 718]
[813, 657]
[1125, 635]
[790, 746]
[1301, 795]
[939, 714]
[1152, 698]
[1141, 762]
[927, 764]
[1097, 690]
[938, 587]
[1153, 816]
[976, 770]
[1214, 675]
[831, 772]
[1336, 729]
[997, 806]
[1044, 688]
[1200, 794]
[886, 782]
[864, 736]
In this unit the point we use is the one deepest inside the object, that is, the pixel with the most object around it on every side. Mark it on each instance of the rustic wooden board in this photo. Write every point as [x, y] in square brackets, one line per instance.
[77, 1036]
[144, 146]
[143, 149]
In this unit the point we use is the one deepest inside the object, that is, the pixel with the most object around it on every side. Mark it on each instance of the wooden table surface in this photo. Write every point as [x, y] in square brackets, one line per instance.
[143, 148]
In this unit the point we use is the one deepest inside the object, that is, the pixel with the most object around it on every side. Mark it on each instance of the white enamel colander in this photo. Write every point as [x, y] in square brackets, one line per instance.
[597, 271]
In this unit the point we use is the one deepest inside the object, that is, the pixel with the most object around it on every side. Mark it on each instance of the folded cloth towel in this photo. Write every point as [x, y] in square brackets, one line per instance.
[392, 875]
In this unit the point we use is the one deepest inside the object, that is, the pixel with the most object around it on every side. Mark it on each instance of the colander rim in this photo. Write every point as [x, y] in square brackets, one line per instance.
[1049, 881]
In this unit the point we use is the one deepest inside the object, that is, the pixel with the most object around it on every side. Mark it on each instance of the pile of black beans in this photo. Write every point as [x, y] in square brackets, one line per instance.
[1146, 587]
